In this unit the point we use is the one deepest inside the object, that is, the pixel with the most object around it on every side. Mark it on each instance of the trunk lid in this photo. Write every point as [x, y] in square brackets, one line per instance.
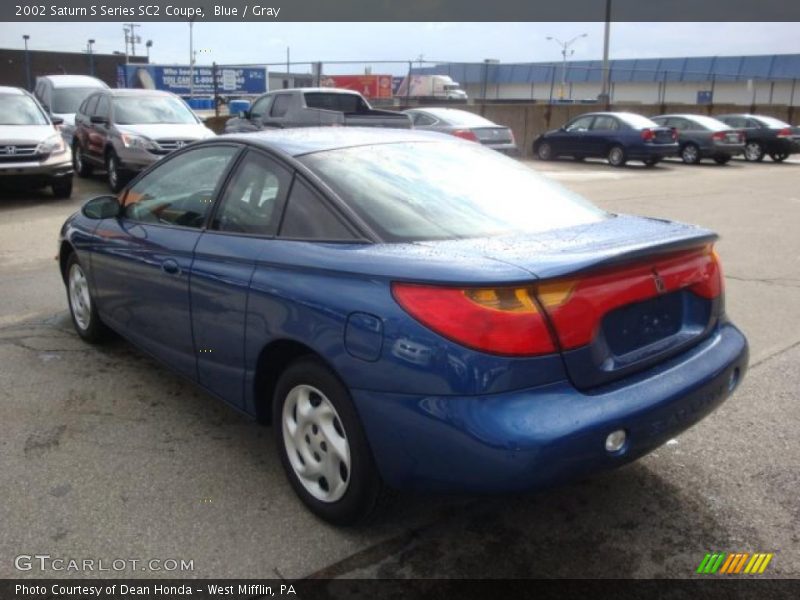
[637, 290]
[493, 135]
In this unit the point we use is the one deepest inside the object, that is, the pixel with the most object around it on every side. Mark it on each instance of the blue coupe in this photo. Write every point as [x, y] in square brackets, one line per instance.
[409, 310]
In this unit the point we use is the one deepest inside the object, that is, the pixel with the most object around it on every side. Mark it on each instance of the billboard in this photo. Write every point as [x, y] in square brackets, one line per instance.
[175, 79]
[369, 86]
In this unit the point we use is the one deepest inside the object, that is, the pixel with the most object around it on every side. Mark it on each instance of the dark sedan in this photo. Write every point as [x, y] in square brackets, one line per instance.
[765, 136]
[465, 125]
[702, 137]
[615, 136]
[410, 310]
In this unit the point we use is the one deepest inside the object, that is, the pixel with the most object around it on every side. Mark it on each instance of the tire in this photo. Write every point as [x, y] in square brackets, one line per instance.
[331, 422]
[544, 151]
[114, 175]
[79, 164]
[690, 154]
[616, 156]
[722, 160]
[63, 189]
[779, 156]
[651, 162]
[82, 307]
[753, 152]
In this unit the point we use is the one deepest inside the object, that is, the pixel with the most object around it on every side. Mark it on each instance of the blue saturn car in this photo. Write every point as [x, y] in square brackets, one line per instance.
[409, 310]
[616, 136]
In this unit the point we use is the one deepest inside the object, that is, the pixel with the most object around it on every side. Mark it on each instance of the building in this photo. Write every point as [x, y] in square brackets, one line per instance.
[13, 72]
[744, 80]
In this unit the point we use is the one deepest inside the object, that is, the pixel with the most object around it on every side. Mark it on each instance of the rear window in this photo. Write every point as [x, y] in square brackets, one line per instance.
[772, 123]
[462, 118]
[637, 121]
[346, 103]
[447, 190]
[709, 122]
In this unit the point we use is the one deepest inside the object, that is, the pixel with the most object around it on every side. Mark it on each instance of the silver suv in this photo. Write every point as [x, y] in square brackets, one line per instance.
[60, 95]
[32, 153]
[124, 131]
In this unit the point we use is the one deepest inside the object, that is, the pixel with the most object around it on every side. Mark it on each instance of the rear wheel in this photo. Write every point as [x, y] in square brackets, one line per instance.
[63, 189]
[544, 151]
[78, 162]
[722, 160]
[322, 444]
[690, 154]
[779, 156]
[753, 152]
[616, 156]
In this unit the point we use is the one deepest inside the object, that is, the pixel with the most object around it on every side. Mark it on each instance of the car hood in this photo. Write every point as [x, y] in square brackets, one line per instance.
[32, 134]
[160, 131]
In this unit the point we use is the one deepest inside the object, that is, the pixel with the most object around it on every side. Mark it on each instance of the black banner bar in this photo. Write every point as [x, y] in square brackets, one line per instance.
[409, 10]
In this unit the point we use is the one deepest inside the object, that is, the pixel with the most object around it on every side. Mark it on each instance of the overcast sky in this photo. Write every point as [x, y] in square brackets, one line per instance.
[509, 42]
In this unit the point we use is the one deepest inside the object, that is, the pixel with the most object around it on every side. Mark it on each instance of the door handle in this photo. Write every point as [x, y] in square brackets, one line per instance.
[171, 267]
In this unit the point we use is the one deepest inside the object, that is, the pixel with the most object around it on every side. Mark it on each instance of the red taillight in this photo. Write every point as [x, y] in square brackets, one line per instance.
[719, 136]
[502, 320]
[466, 134]
[648, 135]
[577, 306]
[674, 134]
[785, 132]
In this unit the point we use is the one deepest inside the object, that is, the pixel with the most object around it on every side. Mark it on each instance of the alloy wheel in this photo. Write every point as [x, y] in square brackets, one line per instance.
[690, 154]
[316, 443]
[753, 151]
[113, 175]
[80, 301]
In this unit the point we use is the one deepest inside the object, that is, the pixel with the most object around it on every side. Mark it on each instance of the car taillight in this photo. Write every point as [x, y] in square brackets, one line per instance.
[648, 134]
[466, 134]
[718, 136]
[497, 320]
[674, 134]
[577, 306]
[785, 132]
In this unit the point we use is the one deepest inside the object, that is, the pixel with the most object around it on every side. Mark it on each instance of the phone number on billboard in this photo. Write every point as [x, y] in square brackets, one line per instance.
[107, 10]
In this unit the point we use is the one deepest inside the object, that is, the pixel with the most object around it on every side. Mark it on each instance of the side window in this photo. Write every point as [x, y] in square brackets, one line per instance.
[679, 124]
[423, 120]
[737, 122]
[580, 124]
[180, 190]
[753, 124]
[91, 103]
[308, 218]
[280, 105]
[260, 107]
[605, 123]
[254, 197]
[103, 108]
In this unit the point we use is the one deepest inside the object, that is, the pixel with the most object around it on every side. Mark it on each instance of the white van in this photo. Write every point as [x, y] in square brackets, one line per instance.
[61, 95]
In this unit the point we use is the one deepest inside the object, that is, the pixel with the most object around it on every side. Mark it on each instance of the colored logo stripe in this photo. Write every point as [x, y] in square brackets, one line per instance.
[734, 563]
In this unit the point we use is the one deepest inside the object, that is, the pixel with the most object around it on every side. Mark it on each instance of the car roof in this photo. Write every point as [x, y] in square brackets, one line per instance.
[119, 92]
[328, 90]
[61, 81]
[306, 140]
[438, 110]
[12, 91]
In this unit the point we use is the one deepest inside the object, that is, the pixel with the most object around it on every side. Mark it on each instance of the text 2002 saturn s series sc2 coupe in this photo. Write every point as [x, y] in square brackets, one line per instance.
[409, 310]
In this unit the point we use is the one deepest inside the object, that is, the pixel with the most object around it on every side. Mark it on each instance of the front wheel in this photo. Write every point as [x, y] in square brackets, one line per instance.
[616, 156]
[78, 163]
[82, 308]
[322, 445]
[115, 181]
[753, 152]
[544, 151]
[690, 154]
[779, 156]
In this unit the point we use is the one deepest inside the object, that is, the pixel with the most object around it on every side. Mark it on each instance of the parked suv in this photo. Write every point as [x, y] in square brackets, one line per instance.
[60, 95]
[123, 131]
[32, 153]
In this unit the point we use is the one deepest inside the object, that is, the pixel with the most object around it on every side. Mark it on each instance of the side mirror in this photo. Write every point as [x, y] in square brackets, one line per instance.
[98, 120]
[57, 120]
[102, 207]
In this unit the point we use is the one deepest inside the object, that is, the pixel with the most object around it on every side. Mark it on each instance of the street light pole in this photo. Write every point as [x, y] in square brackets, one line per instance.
[148, 45]
[565, 53]
[26, 37]
[191, 58]
[90, 50]
[604, 93]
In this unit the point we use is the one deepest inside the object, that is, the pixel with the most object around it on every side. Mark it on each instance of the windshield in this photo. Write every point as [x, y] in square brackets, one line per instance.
[143, 110]
[772, 123]
[67, 100]
[20, 110]
[446, 190]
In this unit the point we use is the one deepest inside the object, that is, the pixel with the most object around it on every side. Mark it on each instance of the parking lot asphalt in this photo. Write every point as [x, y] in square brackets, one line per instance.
[106, 454]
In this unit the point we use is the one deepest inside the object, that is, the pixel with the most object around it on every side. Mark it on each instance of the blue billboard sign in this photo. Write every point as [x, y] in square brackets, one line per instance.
[175, 79]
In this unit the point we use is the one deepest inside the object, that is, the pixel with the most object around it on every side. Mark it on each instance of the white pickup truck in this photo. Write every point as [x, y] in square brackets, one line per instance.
[313, 107]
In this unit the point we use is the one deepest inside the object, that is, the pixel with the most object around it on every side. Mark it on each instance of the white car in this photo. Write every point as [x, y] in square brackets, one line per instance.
[61, 95]
[32, 152]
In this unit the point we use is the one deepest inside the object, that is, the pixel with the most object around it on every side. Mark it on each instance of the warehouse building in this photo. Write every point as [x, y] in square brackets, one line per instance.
[745, 80]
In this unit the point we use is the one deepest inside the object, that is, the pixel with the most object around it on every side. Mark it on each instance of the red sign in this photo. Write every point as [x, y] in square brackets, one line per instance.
[369, 86]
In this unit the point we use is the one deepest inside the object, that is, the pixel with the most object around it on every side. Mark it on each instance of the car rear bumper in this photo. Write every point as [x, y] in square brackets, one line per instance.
[510, 148]
[653, 151]
[533, 438]
[722, 150]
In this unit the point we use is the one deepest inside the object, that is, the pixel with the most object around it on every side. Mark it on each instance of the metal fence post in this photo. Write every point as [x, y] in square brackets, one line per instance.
[216, 90]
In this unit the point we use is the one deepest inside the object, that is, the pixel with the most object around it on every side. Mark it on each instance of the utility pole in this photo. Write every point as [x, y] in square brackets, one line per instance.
[148, 45]
[90, 50]
[565, 52]
[26, 37]
[604, 93]
[191, 58]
